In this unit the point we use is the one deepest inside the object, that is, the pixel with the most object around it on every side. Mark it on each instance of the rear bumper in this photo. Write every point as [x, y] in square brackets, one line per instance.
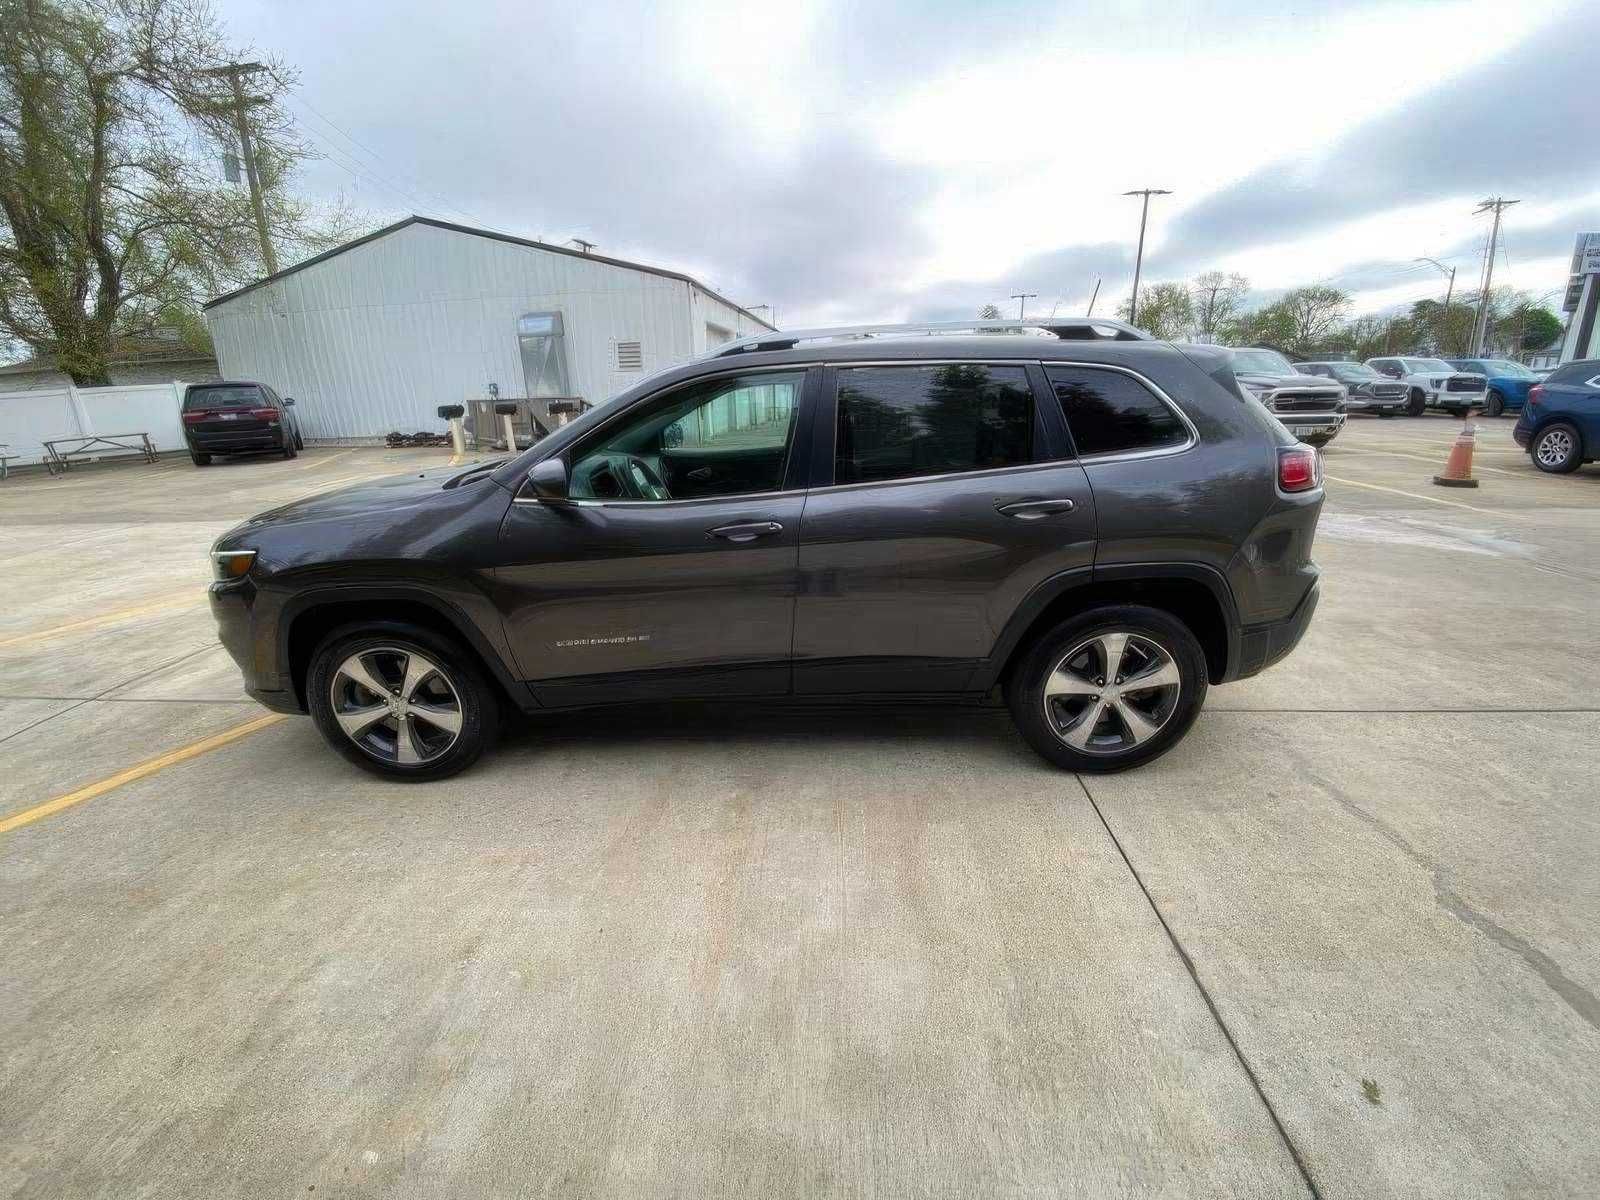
[1260, 646]
[227, 441]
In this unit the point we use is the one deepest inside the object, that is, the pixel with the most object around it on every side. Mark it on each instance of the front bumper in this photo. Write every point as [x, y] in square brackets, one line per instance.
[231, 604]
[1440, 398]
[1311, 424]
[1260, 646]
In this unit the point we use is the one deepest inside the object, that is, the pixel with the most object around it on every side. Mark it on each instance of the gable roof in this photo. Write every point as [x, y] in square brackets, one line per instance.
[493, 236]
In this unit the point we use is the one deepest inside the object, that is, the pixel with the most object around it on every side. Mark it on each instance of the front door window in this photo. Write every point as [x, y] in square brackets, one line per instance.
[724, 437]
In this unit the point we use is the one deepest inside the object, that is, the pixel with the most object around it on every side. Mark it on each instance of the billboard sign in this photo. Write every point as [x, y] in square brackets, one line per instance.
[1586, 256]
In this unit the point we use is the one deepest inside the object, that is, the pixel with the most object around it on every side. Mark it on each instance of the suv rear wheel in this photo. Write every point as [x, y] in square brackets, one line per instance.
[1109, 689]
[1557, 449]
[401, 701]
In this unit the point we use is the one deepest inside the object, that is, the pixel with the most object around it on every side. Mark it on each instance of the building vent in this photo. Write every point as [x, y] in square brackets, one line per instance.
[630, 356]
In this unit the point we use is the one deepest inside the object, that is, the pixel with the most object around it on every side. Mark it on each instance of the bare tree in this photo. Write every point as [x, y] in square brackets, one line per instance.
[1216, 297]
[1310, 316]
[111, 224]
[1165, 311]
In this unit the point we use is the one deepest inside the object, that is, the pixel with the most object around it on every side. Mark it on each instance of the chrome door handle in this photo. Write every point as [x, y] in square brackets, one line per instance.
[746, 532]
[1032, 510]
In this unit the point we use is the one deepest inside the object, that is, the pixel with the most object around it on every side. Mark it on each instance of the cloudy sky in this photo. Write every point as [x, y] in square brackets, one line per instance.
[843, 160]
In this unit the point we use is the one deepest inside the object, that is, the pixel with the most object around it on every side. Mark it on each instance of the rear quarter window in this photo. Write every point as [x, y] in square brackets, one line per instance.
[1575, 373]
[1112, 413]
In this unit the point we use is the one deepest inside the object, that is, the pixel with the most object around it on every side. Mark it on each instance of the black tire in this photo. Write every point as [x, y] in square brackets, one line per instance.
[1546, 449]
[1493, 404]
[1417, 403]
[289, 448]
[299, 442]
[475, 700]
[1025, 692]
[199, 460]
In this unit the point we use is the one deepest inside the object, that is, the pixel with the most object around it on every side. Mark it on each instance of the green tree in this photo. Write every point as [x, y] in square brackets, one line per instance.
[1165, 311]
[1268, 326]
[110, 223]
[1527, 326]
[1216, 297]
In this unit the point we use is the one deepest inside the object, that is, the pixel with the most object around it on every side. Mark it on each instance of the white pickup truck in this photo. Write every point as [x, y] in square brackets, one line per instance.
[1433, 383]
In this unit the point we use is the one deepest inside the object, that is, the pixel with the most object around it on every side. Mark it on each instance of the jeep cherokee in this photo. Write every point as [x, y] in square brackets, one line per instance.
[1068, 516]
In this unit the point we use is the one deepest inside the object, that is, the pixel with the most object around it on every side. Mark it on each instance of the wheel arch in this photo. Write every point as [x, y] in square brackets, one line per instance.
[1195, 594]
[309, 618]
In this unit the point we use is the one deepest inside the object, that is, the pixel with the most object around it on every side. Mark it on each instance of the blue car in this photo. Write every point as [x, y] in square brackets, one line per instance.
[1508, 382]
[1560, 423]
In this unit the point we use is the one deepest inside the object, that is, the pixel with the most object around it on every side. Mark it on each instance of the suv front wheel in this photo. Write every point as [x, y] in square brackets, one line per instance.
[1109, 689]
[401, 701]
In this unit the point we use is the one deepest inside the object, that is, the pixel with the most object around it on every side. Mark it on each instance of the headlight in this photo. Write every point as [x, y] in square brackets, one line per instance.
[232, 564]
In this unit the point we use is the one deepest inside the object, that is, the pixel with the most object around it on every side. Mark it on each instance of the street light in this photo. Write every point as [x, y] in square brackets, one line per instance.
[1138, 260]
[1448, 291]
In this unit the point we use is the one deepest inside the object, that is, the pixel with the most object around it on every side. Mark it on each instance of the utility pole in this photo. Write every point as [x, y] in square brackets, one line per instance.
[1480, 327]
[241, 119]
[1138, 259]
[1448, 292]
[1022, 299]
[1095, 295]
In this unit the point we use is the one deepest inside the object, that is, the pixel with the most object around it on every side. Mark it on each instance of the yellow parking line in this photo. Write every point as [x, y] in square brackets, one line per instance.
[1378, 487]
[322, 462]
[149, 767]
[191, 597]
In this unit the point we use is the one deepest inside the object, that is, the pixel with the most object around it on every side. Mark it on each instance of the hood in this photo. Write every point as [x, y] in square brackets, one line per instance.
[1272, 379]
[392, 493]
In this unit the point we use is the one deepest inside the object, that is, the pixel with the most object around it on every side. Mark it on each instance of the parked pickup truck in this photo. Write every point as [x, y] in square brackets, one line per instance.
[1310, 408]
[1433, 383]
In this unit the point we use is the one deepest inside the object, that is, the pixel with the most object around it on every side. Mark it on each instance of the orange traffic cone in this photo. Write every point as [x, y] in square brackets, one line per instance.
[1458, 468]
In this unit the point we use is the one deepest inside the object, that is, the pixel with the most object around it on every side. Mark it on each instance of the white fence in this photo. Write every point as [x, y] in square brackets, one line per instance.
[28, 419]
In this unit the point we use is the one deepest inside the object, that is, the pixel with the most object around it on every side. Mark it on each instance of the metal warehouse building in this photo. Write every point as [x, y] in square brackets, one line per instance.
[375, 335]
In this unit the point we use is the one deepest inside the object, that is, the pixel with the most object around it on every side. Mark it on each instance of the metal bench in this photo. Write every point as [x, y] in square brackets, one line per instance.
[59, 452]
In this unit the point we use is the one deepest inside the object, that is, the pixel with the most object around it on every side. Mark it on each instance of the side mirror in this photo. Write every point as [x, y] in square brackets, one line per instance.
[548, 479]
[288, 401]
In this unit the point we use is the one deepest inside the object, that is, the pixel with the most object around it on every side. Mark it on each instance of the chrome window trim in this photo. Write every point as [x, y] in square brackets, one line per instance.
[655, 504]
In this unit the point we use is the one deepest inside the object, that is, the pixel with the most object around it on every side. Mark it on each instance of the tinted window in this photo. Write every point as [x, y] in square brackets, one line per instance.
[722, 437]
[1263, 362]
[1575, 372]
[896, 422]
[1109, 412]
[223, 397]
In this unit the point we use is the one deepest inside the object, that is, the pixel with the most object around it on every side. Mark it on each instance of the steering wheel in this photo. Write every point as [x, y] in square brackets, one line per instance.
[643, 482]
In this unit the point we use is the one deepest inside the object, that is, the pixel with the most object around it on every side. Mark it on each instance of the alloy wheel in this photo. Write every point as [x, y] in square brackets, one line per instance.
[396, 705]
[1554, 448]
[1112, 692]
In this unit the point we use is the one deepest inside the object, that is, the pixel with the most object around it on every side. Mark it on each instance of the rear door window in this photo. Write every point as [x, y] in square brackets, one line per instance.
[900, 422]
[222, 397]
[1112, 413]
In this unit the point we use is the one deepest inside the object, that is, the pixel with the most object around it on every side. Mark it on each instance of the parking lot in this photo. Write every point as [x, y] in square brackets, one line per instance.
[1340, 942]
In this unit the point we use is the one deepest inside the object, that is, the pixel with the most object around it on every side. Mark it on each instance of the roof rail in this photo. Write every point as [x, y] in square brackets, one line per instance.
[1085, 329]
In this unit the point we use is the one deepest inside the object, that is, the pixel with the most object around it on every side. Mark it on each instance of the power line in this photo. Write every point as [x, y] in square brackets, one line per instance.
[427, 197]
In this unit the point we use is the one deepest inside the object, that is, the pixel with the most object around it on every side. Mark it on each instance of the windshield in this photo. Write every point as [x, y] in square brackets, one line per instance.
[1418, 365]
[1354, 371]
[1504, 366]
[1262, 362]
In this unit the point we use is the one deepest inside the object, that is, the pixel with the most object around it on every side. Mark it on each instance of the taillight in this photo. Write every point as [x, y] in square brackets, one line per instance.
[1535, 393]
[264, 414]
[1299, 469]
[194, 418]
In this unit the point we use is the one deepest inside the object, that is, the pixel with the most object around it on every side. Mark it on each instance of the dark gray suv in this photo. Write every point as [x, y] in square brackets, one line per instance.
[1067, 516]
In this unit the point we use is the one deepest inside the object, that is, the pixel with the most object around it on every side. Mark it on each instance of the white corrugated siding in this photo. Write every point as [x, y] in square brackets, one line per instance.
[376, 338]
